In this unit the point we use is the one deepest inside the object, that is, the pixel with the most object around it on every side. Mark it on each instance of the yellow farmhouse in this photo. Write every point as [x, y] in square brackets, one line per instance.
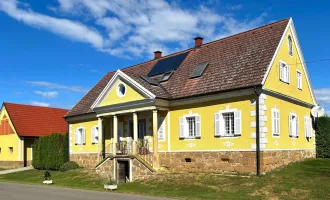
[197, 110]
[20, 125]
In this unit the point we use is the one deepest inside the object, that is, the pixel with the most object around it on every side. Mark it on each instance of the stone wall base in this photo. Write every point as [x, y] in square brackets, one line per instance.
[11, 164]
[85, 160]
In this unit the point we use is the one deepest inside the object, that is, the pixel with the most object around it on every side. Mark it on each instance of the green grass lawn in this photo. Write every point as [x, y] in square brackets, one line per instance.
[305, 180]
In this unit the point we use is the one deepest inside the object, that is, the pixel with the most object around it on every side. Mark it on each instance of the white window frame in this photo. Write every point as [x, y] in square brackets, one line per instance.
[287, 80]
[299, 81]
[221, 123]
[82, 138]
[161, 125]
[290, 48]
[277, 123]
[297, 126]
[186, 127]
[92, 134]
[308, 127]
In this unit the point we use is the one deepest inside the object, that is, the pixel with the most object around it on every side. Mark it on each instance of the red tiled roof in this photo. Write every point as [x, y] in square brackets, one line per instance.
[35, 121]
[235, 62]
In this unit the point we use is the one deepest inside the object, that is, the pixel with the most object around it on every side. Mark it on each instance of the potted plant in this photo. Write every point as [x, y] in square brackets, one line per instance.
[110, 184]
[47, 178]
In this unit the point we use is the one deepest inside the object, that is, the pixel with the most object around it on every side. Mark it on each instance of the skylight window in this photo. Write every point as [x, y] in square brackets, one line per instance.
[199, 69]
[166, 76]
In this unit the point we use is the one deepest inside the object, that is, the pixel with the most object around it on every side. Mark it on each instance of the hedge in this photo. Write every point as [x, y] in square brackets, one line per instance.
[50, 152]
[322, 128]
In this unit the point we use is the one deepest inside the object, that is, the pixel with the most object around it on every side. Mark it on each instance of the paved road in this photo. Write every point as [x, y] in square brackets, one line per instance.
[11, 191]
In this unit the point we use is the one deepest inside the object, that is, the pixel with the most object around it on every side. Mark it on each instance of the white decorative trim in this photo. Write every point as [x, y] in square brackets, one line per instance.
[253, 113]
[117, 75]
[253, 124]
[293, 149]
[193, 150]
[300, 54]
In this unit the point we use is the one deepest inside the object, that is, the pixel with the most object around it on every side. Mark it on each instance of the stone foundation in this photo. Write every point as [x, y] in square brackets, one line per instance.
[230, 162]
[85, 160]
[11, 164]
[140, 171]
[106, 170]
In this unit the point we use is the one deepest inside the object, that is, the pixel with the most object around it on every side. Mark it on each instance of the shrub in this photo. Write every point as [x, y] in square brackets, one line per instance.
[50, 152]
[68, 166]
[322, 128]
[47, 176]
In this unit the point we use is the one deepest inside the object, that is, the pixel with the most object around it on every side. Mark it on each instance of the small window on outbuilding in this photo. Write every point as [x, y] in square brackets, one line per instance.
[11, 150]
[199, 70]
[166, 76]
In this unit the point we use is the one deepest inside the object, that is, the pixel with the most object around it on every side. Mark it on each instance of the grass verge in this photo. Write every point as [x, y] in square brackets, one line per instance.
[305, 180]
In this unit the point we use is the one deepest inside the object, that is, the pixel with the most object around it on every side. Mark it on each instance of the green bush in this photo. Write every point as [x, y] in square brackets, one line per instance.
[47, 176]
[50, 152]
[322, 128]
[68, 166]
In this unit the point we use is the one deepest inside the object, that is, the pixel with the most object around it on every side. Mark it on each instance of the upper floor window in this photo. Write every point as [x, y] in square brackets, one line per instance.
[299, 80]
[284, 72]
[227, 123]
[293, 125]
[190, 126]
[95, 135]
[275, 122]
[79, 136]
[290, 45]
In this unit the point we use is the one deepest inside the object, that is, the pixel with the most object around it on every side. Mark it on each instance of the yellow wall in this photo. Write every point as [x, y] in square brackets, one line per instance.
[88, 147]
[28, 148]
[7, 141]
[284, 141]
[273, 80]
[208, 141]
[113, 98]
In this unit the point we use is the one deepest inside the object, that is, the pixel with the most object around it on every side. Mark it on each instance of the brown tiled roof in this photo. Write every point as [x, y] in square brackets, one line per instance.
[35, 121]
[237, 61]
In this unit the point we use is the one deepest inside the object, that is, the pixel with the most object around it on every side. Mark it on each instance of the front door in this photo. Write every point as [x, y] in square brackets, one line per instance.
[123, 171]
[142, 128]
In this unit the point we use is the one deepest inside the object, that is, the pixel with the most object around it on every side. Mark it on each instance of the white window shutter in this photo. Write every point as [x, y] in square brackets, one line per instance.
[274, 123]
[310, 127]
[278, 122]
[290, 125]
[93, 135]
[306, 127]
[83, 137]
[222, 125]
[297, 126]
[288, 76]
[217, 124]
[181, 127]
[281, 71]
[198, 126]
[161, 129]
[76, 139]
[238, 122]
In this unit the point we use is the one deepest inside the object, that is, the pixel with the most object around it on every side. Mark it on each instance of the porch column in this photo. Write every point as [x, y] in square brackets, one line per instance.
[115, 134]
[135, 132]
[155, 138]
[100, 145]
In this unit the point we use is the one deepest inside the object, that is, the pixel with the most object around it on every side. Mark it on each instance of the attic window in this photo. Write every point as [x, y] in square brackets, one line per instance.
[199, 69]
[166, 76]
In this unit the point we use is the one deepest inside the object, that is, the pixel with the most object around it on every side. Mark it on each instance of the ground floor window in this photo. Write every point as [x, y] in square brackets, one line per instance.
[227, 123]
[190, 126]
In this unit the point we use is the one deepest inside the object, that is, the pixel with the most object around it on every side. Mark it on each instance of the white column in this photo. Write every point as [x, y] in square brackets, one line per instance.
[135, 132]
[100, 145]
[155, 137]
[115, 134]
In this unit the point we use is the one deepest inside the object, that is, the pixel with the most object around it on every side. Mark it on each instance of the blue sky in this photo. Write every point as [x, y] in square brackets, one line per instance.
[54, 51]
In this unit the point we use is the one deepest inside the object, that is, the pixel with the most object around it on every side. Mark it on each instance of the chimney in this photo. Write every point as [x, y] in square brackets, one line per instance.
[198, 41]
[158, 54]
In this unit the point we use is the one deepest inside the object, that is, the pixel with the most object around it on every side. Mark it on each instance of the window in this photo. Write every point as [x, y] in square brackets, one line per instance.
[79, 136]
[276, 122]
[293, 125]
[284, 72]
[228, 123]
[11, 150]
[299, 80]
[0, 150]
[190, 126]
[161, 129]
[308, 127]
[121, 90]
[166, 76]
[290, 45]
[95, 135]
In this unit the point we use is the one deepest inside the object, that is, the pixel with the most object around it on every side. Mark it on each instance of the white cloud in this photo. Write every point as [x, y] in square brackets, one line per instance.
[323, 96]
[57, 86]
[67, 28]
[37, 103]
[135, 28]
[52, 94]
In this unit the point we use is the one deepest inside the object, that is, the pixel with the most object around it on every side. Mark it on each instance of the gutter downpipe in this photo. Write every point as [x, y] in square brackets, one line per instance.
[257, 91]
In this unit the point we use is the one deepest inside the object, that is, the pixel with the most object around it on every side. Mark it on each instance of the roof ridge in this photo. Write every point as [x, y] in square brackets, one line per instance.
[34, 106]
[191, 48]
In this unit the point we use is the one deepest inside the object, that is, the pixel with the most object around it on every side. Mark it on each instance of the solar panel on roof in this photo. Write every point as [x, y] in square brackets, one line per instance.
[150, 80]
[199, 69]
[167, 64]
